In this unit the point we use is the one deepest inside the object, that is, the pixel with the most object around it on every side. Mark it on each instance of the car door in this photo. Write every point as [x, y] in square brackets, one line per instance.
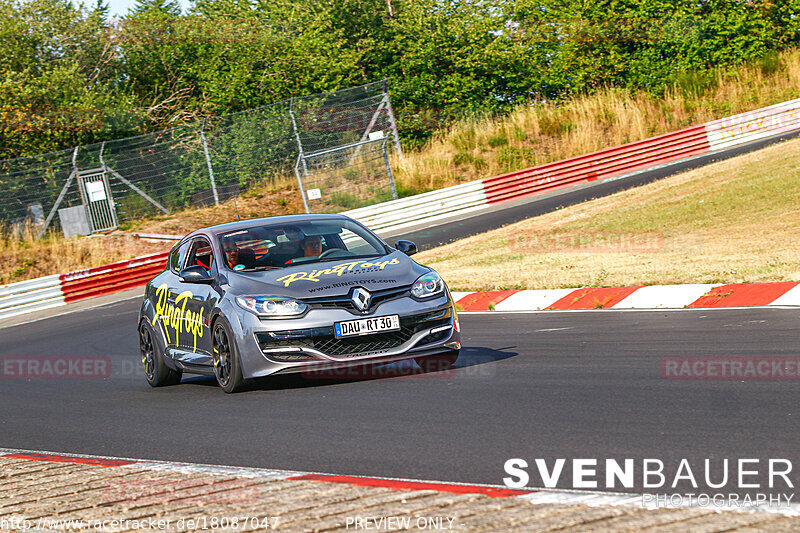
[163, 297]
[192, 304]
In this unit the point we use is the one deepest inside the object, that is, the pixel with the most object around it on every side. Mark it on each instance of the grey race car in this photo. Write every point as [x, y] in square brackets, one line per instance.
[292, 294]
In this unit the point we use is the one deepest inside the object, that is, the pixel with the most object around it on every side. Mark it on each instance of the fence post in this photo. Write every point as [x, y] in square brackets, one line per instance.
[389, 169]
[63, 192]
[367, 131]
[130, 185]
[208, 162]
[391, 119]
[301, 158]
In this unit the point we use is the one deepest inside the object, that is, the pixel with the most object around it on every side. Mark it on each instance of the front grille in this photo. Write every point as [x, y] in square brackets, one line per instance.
[323, 339]
[364, 345]
[344, 302]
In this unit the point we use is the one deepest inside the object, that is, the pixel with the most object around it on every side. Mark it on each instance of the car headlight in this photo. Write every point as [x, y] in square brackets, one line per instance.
[427, 285]
[276, 306]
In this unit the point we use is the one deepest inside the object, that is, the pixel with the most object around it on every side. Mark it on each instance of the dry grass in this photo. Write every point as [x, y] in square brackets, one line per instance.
[261, 202]
[532, 135]
[732, 222]
[471, 149]
[22, 256]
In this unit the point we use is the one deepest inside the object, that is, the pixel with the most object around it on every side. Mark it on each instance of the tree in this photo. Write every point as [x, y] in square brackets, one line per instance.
[165, 7]
[648, 43]
[227, 56]
[58, 78]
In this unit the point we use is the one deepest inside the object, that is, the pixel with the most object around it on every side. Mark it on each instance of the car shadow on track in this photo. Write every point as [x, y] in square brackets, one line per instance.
[472, 362]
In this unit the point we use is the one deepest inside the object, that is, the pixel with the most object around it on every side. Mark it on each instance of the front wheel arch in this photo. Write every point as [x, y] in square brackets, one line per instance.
[229, 315]
[226, 359]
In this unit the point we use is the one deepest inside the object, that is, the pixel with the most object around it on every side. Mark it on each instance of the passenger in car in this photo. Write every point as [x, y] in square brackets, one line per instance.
[231, 253]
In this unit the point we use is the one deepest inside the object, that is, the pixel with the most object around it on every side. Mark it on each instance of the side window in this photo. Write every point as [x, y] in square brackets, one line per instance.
[178, 256]
[200, 254]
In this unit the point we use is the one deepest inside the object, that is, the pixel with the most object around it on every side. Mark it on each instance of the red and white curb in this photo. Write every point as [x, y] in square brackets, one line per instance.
[532, 495]
[699, 296]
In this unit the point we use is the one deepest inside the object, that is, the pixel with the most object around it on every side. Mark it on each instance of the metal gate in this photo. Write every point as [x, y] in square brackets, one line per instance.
[97, 198]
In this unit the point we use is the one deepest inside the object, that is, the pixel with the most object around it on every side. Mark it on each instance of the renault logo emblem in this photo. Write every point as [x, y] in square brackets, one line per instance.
[361, 298]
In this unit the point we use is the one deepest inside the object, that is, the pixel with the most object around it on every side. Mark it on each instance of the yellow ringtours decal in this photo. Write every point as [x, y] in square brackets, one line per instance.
[340, 269]
[176, 316]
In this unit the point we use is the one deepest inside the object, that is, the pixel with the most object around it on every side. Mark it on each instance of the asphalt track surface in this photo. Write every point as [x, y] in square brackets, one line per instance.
[532, 386]
[528, 385]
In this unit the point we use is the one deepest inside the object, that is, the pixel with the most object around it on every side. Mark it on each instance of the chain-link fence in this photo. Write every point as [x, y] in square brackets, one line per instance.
[336, 144]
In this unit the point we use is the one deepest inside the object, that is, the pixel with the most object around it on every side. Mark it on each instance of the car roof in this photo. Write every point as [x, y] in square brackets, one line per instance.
[256, 222]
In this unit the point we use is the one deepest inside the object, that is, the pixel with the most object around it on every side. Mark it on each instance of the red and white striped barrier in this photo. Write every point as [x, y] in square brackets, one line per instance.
[604, 165]
[31, 295]
[111, 278]
[700, 296]
[54, 291]
[458, 201]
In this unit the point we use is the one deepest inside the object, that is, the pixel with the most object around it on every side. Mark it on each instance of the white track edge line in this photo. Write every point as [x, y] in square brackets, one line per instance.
[537, 495]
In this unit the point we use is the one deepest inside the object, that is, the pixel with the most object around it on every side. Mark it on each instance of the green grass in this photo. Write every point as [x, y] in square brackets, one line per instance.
[730, 222]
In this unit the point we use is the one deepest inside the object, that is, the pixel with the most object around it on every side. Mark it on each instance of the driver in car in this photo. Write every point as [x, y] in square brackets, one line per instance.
[312, 245]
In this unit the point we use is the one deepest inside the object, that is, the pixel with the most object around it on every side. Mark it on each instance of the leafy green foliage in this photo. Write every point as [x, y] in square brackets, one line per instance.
[59, 79]
[648, 43]
[70, 76]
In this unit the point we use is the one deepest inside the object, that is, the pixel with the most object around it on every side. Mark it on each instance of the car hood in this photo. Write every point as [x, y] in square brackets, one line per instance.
[330, 278]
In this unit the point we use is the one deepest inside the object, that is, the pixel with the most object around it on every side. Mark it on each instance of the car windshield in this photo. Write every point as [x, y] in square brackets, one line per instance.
[274, 246]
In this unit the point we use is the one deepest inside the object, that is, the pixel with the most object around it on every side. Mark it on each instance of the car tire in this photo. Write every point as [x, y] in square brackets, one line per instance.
[227, 368]
[438, 362]
[156, 371]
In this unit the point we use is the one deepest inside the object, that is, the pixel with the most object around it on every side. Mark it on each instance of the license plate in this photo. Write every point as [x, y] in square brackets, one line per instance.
[366, 326]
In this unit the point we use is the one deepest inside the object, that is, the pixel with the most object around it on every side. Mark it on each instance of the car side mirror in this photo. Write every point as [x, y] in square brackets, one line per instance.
[407, 247]
[195, 274]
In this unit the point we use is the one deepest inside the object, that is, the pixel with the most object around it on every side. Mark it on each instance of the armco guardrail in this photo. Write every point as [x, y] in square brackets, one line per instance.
[754, 125]
[598, 165]
[429, 206]
[612, 163]
[459, 200]
[53, 291]
[110, 278]
[31, 295]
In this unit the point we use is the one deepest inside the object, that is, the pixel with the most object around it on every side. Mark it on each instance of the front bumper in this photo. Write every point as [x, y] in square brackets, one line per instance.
[270, 346]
